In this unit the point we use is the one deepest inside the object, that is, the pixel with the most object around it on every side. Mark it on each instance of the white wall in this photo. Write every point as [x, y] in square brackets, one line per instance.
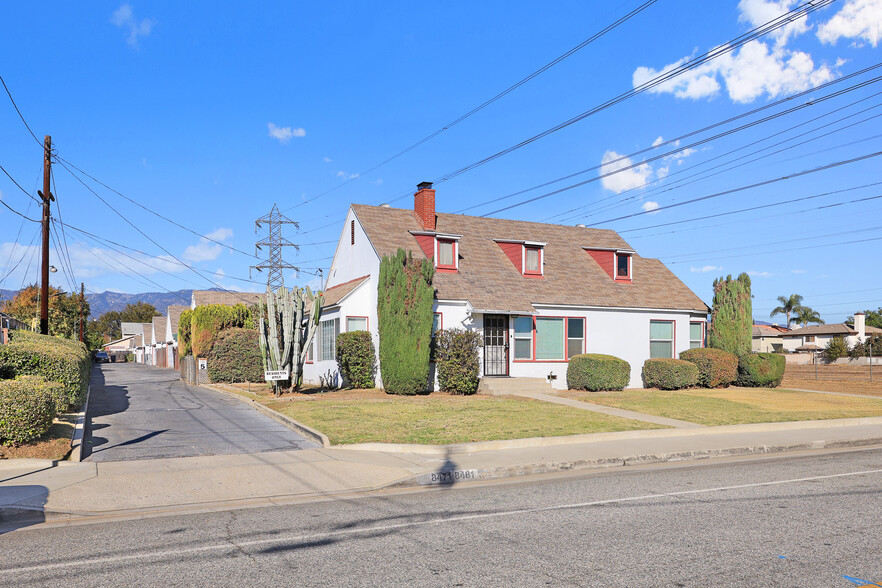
[352, 261]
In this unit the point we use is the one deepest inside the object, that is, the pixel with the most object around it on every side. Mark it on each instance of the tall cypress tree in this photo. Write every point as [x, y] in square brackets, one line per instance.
[404, 311]
[732, 315]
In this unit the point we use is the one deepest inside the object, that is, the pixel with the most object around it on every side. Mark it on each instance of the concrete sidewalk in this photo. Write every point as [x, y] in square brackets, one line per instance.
[34, 491]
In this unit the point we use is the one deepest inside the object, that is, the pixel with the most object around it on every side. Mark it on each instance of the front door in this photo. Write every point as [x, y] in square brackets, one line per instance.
[495, 345]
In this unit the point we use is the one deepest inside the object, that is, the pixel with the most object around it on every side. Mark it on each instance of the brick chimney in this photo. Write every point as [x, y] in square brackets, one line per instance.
[424, 205]
[860, 325]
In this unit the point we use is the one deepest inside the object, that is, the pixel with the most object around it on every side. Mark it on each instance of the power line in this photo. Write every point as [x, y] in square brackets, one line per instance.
[23, 255]
[747, 187]
[791, 249]
[20, 115]
[490, 101]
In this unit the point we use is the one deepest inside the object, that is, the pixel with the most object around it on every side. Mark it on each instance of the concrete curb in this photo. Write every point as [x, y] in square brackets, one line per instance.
[308, 432]
[461, 448]
[76, 442]
[448, 477]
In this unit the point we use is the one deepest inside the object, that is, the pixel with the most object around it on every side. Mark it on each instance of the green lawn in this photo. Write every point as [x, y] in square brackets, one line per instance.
[730, 406]
[441, 420]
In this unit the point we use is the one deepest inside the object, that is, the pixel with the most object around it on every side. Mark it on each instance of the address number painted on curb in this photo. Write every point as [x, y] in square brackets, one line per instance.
[452, 476]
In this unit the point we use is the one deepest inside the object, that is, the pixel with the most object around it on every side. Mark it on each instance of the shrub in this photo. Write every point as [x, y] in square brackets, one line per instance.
[731, 327]
[669, 374]
[235, 357]
[184, 333]
[27, 408]
[207, 321]
[595, 371]
[356, 359]
[716, 368]
[57, 360]
[404, 312]
[457, 360]
[836, 348]
[872, 344]
[761, 369]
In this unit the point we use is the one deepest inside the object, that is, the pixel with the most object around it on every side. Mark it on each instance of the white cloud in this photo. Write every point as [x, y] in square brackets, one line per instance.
[706, 268]
[751, 71]
[207, 249]
[124, 17]
[858, 19]
[378, 181]
[284, 134]
[341, 173]
[759, 274]
[658, 141]
[624, 180]
[327, 159]
[649, 206]
[759, 12]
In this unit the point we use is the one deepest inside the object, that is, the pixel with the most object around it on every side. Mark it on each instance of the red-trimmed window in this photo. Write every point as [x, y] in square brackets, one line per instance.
[575, 337]
[523, 338]
[356, 323]
[623, 266]
[696, 335]
[532, 261]
[446, 254]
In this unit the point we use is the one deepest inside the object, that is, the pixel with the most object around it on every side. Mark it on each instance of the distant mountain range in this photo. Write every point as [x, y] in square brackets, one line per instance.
[106, 301]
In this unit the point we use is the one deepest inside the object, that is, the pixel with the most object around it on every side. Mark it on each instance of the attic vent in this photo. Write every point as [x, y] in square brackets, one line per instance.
[385, 205]
[581, 226]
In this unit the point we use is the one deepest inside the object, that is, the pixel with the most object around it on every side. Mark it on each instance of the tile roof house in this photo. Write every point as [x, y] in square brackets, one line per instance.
[767, 338]
[538, 293]
[816, 337]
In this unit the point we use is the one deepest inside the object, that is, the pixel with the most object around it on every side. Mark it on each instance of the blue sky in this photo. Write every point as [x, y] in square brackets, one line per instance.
[208, 114]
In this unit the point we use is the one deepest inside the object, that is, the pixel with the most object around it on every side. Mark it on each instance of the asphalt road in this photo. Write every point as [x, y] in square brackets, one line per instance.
[141, 412]
[783, 521]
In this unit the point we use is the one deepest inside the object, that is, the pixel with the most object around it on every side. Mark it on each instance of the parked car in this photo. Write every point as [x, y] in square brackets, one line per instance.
[101, 357]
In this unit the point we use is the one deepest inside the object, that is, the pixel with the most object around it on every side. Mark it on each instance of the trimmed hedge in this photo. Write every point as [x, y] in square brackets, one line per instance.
[356, 359]
[184, 333]
[595, 371]
[207, 322]
[457, 360]
[235, 357]
[716, 368]
[27, 408]
[55, 359]
[669, 374]
[761, 370]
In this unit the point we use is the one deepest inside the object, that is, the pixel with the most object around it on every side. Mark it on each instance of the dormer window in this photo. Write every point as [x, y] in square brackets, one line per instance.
[527, 256]
[533, 260]
[443, 248]
[446, 254]
[617, 263]
[623, 266]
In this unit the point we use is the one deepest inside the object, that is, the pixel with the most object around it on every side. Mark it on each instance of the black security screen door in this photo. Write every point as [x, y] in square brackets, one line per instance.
[495, 345]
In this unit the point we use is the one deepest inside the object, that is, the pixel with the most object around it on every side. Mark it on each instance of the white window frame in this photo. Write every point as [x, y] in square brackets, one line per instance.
[700, 340]
[321, 339]
[360, 318]
[616, 266]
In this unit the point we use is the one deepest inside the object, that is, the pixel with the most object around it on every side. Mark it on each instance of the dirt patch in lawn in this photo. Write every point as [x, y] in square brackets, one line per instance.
[54, 444]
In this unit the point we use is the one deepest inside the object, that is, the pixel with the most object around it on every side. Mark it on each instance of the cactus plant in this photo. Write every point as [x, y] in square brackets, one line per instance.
[286, 308]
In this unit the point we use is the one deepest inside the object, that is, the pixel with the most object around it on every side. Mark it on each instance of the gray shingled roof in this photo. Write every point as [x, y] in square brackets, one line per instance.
[488, 279]
[204, 297]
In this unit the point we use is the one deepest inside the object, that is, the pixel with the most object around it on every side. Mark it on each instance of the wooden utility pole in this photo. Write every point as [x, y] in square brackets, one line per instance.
[47, 197]
[82, 305]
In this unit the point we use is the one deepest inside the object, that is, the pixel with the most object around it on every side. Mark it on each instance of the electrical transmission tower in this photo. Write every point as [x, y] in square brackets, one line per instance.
[274, 242]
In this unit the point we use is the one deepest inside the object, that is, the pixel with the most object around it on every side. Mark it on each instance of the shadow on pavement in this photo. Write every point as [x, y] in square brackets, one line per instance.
[22, 506]
[104, 400]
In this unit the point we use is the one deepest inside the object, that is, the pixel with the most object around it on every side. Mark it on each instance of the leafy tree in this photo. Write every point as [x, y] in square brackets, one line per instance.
[805, 315]
[139, 312]
[108, 324]
[404, 311]
[873, 343]
[789, 305]
[732, 315]
[64, 310]
[836, 348]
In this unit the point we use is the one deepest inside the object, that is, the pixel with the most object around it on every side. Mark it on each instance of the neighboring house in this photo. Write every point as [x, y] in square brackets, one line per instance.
[7, 323]
[136, 331]
[148, 343]
[227, 298]
[768, 338]
[816, 337]
[118, 349]
[160, 343]
[171, 334]
[538, 293]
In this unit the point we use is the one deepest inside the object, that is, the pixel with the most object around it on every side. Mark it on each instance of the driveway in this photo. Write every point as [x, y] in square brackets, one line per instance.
[141, 412]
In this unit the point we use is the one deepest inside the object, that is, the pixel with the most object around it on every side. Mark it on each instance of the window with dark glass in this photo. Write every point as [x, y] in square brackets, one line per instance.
[622, 265]
[575, 336]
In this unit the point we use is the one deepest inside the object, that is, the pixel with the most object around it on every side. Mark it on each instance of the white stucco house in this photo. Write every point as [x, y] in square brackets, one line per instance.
[538, 293]
[815, 338]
